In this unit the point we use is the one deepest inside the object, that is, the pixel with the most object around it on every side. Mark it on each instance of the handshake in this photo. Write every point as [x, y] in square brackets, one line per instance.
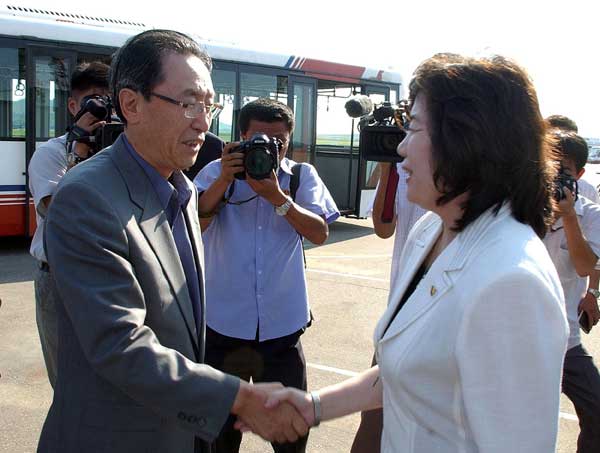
[275, 413]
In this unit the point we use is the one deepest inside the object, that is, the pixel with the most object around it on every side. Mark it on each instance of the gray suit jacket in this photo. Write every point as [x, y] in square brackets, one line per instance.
[130, 377]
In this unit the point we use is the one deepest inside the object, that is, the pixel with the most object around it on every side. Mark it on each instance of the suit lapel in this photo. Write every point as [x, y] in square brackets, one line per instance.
[421, 248]
[439, 280]
[155, 227]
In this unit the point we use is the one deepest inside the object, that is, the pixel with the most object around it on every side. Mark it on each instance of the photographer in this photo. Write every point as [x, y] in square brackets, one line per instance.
[573, 243]
[586, 188]
[256, 295]
[48, 165]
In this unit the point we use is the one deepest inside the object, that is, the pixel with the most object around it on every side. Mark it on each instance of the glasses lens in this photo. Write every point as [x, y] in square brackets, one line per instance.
[195, 110]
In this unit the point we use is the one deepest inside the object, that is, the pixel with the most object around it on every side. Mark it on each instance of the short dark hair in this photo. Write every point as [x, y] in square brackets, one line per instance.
[137, 65]
[562, 122]
[93, 74]
[571, 146]
[266, 110]
[488, 137]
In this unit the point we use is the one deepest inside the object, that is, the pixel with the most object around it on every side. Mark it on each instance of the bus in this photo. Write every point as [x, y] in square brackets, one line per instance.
[39, 49]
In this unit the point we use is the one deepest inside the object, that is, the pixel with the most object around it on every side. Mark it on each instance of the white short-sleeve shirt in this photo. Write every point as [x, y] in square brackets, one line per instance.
[574, 286]
[46, 168]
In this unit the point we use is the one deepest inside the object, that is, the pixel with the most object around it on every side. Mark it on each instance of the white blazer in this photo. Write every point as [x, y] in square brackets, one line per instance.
[473, 361]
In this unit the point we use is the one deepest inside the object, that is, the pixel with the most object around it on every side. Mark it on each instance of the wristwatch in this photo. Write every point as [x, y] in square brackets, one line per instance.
[594, 292]
[284, 208]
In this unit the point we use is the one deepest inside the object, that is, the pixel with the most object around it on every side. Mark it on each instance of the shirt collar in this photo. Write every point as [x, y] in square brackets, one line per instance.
[285, 165]
[165, 189]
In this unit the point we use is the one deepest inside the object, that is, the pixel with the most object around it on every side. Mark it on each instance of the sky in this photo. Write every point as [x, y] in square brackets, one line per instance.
[557, 42]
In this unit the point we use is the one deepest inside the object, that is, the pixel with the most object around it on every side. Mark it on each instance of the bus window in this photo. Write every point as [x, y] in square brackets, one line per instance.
[302, 138]
[12, 93]
[52, 91]
[225, 87]
[254, 86]
[333, 124]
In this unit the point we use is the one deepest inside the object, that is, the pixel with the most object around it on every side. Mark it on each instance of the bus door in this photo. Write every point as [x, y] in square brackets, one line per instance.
[302, 97]
[368, 171]
[48, 80]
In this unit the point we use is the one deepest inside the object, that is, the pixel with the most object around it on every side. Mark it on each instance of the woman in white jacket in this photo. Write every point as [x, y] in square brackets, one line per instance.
[471, 346]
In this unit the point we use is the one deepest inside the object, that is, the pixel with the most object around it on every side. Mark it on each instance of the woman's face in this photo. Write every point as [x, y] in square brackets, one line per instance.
[418, 160]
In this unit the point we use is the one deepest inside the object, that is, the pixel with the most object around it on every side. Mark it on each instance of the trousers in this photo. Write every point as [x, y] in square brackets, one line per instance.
[278, 360]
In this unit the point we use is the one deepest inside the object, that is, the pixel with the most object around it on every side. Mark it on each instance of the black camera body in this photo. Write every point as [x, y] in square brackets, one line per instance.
[261, 156]
[381, 132]
[100, 107]
[563, 179]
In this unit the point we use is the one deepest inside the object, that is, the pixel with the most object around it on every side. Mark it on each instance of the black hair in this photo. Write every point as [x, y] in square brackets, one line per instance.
[138, 64]
[488, 137]
[266, 110]
[93, 74]
[571, 146]
[562, 122]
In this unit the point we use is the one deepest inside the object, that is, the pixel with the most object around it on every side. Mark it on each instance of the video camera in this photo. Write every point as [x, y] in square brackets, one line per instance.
[261, 156]
[100, 107]
[380, 126]
[563, 179]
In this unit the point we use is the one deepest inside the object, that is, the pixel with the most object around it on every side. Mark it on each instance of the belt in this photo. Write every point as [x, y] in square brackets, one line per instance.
[45, 267]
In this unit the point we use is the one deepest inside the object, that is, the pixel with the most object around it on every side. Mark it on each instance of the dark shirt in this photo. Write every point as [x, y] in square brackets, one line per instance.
[211, 149]
[174, 195]
[409, 290]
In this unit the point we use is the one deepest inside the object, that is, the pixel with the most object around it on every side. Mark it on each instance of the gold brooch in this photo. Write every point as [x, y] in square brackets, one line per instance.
[433, 290]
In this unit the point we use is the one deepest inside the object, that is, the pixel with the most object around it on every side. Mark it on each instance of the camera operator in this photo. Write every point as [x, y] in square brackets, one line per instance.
[564, 123]
[573, 243]
[48, 165]
[256, 295]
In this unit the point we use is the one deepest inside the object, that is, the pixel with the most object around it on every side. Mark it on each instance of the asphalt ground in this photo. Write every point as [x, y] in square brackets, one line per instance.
[348, 281]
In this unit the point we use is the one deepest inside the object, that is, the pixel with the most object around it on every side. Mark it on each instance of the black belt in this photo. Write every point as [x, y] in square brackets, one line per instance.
[44, 266]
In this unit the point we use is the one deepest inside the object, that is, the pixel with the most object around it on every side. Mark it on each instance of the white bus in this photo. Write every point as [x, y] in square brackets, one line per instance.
[40, 48]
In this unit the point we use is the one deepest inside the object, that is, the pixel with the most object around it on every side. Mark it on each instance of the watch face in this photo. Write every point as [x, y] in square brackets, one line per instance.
[594, 292]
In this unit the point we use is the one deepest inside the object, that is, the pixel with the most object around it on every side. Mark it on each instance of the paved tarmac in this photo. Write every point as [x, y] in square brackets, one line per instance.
[348, 282]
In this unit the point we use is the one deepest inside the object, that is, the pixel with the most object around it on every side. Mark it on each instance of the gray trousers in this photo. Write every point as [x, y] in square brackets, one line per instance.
[581, 384]
[45, 314]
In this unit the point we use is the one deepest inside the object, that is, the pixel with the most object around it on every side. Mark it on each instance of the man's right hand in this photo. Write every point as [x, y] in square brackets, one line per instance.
[231, 162]
[88, 123]
[280, 424]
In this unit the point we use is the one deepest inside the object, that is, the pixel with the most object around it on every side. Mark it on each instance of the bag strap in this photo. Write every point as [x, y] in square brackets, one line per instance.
[295, 180]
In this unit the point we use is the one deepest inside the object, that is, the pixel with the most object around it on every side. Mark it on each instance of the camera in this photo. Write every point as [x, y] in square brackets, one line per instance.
[380, 126]
[261, 156]
[100, 107]
[563, 179]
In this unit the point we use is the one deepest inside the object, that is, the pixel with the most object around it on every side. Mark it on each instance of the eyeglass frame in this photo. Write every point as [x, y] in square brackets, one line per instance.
[211, 110]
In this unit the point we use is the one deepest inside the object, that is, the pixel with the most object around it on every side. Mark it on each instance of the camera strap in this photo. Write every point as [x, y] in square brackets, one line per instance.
[227, 199]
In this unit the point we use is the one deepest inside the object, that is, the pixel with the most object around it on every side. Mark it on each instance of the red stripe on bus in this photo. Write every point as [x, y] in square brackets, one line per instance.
[326, 67]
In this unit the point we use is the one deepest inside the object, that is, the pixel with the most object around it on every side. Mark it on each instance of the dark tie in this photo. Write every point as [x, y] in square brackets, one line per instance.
[186, 255]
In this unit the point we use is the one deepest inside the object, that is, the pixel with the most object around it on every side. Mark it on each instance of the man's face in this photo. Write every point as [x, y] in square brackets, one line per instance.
[570, 168]
[170, 140]
[277, 129]
[74, 102]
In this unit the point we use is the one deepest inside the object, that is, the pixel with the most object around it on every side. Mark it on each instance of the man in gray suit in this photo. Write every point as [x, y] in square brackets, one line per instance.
[123, 238]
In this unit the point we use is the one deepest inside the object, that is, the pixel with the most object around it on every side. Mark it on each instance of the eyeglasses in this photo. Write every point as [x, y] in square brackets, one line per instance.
[193, 110]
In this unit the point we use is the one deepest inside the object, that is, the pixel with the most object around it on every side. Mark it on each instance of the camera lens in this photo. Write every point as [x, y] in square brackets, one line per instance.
[259, 163]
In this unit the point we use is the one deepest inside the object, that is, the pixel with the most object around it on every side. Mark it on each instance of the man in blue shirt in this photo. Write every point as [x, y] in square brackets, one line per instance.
[257, 301]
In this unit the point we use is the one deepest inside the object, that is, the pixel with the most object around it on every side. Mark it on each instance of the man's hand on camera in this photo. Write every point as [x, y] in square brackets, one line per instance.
[566, 207]
[89, 123]
[589, 304]
[268, 188]
[231, 162]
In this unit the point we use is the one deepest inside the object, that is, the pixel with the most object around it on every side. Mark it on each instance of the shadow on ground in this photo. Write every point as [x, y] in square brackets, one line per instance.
[20, 266]
[345, 229]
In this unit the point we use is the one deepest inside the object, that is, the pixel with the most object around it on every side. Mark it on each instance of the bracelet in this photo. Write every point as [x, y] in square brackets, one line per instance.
[316, 400]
